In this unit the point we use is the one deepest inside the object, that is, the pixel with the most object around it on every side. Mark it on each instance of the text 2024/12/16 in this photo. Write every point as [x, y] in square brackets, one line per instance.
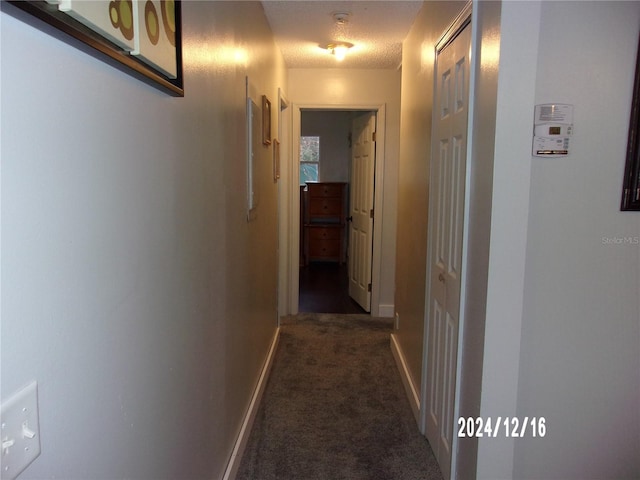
[502, 426]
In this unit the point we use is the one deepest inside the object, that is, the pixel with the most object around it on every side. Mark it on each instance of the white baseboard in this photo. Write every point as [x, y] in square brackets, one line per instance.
[410, 388]
[245, 430]
[386, 311]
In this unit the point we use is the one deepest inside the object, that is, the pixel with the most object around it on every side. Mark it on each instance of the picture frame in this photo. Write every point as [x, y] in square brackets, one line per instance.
[276, 160]
[253, 139]
[631, 182]
[150, 49]
[266, 120]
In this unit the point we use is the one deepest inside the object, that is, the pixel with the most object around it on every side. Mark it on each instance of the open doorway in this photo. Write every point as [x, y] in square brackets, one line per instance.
[335, 190]
[290, 217]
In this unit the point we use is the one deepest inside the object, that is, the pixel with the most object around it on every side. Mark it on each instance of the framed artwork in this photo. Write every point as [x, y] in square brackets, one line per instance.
[276, 160]
[631, 182]
[266, 120]
[143, 36]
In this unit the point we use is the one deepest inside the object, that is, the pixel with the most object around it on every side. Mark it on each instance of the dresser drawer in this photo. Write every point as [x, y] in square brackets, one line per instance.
[319, 206]
[325, 189]
[324, 233]
[321, 248]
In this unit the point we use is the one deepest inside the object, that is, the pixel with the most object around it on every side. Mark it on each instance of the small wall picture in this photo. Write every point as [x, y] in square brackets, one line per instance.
[266, 120]
[276, 160]
[253, 140]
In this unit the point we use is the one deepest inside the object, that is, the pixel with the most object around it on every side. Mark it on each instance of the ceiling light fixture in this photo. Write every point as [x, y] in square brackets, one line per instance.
[339, 49]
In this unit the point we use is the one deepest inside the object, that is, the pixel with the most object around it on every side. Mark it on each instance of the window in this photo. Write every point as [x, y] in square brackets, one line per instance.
[309, 159]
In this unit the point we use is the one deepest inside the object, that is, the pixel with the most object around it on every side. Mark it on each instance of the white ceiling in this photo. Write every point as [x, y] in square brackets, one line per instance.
[376, 28]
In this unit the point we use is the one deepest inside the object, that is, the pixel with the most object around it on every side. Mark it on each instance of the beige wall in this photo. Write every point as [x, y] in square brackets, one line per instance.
[335, 88]
[133, 288]
[413, 178]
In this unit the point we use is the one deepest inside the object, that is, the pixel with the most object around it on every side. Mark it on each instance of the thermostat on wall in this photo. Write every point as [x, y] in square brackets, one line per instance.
[552, 129]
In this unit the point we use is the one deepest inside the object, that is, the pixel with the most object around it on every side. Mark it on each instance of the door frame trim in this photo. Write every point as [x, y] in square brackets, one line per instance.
[284, 136]
[466, 18]
[294, 195]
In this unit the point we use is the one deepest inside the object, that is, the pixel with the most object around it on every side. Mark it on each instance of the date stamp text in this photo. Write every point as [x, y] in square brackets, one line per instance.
[512, 427]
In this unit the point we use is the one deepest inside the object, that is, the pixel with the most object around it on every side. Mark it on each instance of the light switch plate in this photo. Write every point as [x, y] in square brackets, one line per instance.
[20, 432]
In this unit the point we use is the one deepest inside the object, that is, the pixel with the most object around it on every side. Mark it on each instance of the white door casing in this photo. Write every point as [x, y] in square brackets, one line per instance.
[284, 204]
[361, 208]
[446, 221]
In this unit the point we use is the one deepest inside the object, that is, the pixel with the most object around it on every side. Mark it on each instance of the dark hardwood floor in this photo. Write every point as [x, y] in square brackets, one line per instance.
[324, 288]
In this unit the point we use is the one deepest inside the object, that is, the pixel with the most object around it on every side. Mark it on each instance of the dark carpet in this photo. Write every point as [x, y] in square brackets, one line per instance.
[335, 408]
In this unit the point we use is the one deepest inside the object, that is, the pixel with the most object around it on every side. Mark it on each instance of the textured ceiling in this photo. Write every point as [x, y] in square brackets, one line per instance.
[376, 28]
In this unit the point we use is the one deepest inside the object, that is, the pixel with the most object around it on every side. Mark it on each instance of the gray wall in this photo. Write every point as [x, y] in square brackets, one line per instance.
[133, 288]
[580, 348]
[335, 152]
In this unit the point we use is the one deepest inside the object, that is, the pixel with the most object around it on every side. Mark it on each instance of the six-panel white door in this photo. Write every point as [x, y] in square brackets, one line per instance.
[361, 208]
[445, 241]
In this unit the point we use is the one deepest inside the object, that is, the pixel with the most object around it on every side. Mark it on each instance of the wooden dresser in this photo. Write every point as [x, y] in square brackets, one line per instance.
[325, 213]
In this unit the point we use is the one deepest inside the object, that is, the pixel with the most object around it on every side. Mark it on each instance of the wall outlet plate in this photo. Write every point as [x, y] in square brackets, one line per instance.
[20, 432]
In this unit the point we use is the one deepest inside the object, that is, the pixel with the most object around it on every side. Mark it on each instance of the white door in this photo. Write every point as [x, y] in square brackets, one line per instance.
[361, 211]
[448, 165]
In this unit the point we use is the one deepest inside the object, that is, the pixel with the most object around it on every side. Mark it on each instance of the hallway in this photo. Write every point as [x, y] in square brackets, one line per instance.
[142, 293]
[335, 408]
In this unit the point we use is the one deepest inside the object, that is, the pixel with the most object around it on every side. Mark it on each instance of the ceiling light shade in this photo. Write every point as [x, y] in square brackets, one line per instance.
[339, 50]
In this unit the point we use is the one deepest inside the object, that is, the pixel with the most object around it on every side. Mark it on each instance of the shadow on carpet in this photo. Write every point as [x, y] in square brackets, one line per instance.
[335, 407]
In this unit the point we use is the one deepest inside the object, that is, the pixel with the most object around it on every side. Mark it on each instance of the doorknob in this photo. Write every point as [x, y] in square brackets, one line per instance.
[441, 277]
[350, 218]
